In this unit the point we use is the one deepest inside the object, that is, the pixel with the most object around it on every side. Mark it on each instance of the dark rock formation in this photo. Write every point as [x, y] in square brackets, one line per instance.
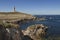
[36, 32]
[2, 32]
[26, 37]
[10, 32]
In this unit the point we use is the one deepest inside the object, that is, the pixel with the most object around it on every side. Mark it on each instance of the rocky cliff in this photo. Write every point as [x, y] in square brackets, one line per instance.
[9, 31]
[14, 16]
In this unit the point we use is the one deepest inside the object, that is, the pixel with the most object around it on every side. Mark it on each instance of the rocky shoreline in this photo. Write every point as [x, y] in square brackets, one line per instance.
[10, 28]
[10, 31]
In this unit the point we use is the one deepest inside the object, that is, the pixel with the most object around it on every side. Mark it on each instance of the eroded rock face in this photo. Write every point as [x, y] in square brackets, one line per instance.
[2, 32]
[10, 33]
[13, 32]
[36, 32]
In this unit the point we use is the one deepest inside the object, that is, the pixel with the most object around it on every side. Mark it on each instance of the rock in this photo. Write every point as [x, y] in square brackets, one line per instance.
[2, 32]
[8, 32]
[15, 34]
[26, 37]
[36, 32]
[40, 19]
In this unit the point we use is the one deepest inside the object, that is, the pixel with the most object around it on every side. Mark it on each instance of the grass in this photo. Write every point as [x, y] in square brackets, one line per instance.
[9, 25]
[14, 15]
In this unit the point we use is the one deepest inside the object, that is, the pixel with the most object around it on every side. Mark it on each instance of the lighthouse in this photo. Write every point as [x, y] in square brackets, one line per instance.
[14, 9]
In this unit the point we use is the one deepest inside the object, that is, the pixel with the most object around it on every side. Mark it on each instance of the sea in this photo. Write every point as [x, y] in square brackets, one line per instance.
[52, 22]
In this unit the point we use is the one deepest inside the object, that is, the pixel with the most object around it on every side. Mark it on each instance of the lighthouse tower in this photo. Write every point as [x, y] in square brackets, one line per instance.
[14, 9]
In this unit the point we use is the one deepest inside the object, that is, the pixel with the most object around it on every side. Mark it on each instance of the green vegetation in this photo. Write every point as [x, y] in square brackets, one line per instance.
[9, 25]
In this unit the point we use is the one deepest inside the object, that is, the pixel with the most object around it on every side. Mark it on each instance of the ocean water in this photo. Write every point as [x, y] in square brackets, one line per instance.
[52, 22]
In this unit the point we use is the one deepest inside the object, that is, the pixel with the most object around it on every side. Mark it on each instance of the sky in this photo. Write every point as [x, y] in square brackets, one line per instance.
[34, 7]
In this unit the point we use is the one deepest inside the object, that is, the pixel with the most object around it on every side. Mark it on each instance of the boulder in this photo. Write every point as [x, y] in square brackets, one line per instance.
[36, 32]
